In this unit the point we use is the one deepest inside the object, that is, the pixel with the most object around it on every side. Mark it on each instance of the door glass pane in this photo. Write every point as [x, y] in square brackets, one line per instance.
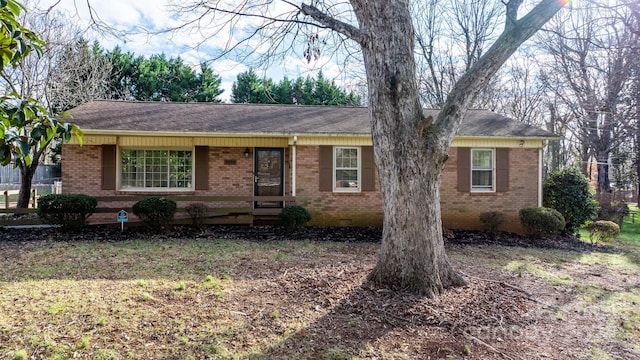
[269, 176]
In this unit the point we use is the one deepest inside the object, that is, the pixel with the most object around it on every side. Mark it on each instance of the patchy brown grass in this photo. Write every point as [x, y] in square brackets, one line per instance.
[233, 299]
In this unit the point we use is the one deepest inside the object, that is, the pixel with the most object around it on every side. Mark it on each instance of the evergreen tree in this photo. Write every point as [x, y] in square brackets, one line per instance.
[159, 78]
[248, 88]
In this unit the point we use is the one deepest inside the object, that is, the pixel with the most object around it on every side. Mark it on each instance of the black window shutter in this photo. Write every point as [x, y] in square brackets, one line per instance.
[326, 168]
[368, 169]
[502, 169]
[108, 167]
[201, 176]
[464, 169]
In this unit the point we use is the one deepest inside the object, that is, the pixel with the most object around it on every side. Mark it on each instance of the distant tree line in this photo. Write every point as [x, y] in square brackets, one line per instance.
[85, 71]
[248, 88]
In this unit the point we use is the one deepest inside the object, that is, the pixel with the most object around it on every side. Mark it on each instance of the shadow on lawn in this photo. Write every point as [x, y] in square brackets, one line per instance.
[362, 317]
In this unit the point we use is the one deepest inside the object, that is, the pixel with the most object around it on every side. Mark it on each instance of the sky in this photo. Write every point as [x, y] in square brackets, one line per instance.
[134, 15]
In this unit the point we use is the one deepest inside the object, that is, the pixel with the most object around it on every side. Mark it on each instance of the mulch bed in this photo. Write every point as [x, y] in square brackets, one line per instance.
[278, 233]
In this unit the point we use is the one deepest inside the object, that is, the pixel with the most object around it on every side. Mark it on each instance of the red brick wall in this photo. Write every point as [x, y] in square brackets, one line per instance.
[81, 173]
[81, 170]
[461, 210]
[82, 165]
[329, 208]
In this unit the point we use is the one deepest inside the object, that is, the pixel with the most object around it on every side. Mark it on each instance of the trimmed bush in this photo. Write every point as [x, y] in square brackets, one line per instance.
[492, 221]
[603, 230]
[156, 212]
[567, 190]
[71, 211]
[198, 213]
[542, 221]
[294, 216]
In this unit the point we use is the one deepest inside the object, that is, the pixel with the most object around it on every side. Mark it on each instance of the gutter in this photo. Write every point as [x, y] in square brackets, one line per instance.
[283, 134]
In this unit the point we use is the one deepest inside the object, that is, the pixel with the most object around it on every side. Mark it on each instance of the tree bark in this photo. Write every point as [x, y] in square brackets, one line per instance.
[26, 178]
[637, 144]
[604, 185]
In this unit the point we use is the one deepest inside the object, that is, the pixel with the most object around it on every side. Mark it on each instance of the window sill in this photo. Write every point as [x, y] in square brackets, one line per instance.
[483, 193]
[347, 191]
[155, 192]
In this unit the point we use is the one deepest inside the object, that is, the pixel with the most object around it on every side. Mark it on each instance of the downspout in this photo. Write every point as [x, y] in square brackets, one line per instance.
[540, 154]
[293, 166]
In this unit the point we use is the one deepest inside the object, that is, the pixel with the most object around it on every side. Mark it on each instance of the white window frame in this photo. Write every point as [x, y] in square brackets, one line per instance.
[354, 189]
[478, 188]
[120, 187]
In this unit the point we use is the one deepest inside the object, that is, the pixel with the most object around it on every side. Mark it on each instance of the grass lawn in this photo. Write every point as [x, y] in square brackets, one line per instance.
[630, 232]
[631, 227]
[223, 299]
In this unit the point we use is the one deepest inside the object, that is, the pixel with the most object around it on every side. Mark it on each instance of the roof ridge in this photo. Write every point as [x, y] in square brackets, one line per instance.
[221, 103]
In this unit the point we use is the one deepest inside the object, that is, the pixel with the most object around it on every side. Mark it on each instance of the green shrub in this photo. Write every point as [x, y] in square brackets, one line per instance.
[156, 212]
[198, 212]
[294, 216]
[567, 190]
[542, 221]
[492, 221]
[603, 230]
[71, 211]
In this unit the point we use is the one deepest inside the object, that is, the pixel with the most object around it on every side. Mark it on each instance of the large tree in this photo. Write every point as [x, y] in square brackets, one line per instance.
[78, 74]
[410, 150]
[593, 52]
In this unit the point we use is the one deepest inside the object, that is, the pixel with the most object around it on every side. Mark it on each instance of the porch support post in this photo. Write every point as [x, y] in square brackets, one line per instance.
[540, 154]
[293, 166]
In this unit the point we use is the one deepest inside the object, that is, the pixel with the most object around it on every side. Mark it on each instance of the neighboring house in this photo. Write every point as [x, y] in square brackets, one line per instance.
[321, 156]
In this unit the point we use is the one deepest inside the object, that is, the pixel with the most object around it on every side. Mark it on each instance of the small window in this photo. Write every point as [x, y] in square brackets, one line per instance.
[156, 169]
[346, 164]
[482, 170]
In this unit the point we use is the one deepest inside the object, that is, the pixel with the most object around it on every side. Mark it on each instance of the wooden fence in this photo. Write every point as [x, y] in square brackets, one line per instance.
[222, 209]
[10, 194]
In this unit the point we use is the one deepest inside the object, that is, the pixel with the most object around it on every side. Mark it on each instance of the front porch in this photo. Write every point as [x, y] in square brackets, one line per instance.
[223, 210]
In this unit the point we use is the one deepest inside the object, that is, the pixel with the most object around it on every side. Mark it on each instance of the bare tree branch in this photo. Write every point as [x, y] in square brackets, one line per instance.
[348, 30]
[506, 44]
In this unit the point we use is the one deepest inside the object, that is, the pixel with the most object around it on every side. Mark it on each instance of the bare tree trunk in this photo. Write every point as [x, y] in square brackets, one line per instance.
[638, 160]
[585, 166]
[26, 172]
[637, 105]
[412, 255]
[604, 185]
[554, 145]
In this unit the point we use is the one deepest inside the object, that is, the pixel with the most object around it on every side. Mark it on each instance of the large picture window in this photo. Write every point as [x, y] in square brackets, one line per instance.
[156, 169]
[346, 161]
[482, 170]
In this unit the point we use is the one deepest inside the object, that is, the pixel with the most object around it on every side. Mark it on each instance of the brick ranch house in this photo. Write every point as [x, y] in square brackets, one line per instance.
[320, 156]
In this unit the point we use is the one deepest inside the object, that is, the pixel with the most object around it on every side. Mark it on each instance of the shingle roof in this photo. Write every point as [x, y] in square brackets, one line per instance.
[173, 117]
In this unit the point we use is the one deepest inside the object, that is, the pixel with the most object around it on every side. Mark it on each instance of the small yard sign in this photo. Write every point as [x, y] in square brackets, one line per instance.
[123, 217]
